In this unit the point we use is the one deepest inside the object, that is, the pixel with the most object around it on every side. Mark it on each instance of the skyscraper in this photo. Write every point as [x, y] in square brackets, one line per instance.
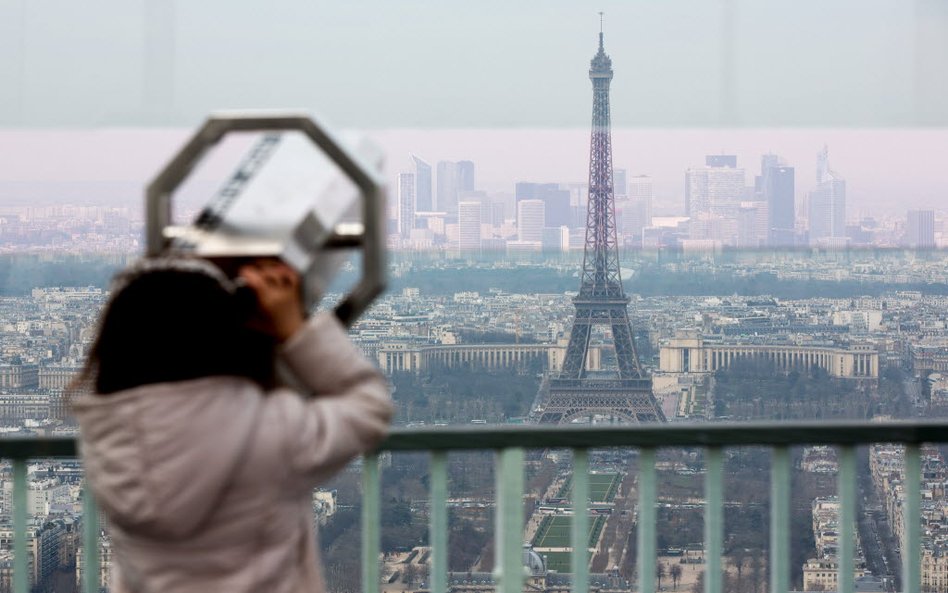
[696, 193]
[555, 239]
[637, 208]
[531, 219]
[423, 201]
[466, 176]
[713, 196]
[776, 187]
[557, 200]
[753, 224]
[406, 204]
[620, 180]
[715, 188]
[827, 211]
[920, 229]
[469, 226]
[447, 194]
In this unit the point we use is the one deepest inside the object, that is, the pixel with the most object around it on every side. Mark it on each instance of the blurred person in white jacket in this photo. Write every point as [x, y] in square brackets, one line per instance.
[202, 462]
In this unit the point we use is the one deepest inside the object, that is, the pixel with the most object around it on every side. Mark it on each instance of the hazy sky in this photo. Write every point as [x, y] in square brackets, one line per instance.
[887, 171]
[491, 63]
[502, 83]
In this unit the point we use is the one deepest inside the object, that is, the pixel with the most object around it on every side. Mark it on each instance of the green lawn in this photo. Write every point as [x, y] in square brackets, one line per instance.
[602, 487]
[554, 531]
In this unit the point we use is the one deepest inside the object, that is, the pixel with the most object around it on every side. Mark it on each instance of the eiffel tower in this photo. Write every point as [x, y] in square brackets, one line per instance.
[577, 393]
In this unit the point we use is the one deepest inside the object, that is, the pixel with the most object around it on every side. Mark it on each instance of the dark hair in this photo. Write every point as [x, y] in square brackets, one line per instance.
[174, 322]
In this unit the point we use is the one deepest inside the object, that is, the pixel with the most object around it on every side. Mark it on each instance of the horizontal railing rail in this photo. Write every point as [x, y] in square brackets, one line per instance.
[511, 441]
[723, 434]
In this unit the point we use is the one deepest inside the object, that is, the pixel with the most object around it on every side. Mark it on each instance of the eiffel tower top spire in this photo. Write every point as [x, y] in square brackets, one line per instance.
[601, 64]
[600, 30]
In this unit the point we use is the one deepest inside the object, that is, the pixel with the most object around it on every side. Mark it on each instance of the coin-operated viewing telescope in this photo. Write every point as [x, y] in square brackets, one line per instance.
[299, 194]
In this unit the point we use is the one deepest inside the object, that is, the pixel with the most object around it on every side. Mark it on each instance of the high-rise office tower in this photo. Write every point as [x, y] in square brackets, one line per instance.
[753, 224]
[492, 217]
[465, 176]
[555, 239]
[620, 179]
[498, 212]
[713, 196]
[920, 229]
[423, 201]
[776, 187]
[531, 219]
[557, 200]
[447, 194]
[696, 193]
[641, 188]
[827, 212]
[637, 207]
[715, 188]
[769, 160]
[406, 204]
[469, 226]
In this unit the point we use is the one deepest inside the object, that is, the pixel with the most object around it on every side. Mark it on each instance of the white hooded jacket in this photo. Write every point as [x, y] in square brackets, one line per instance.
[207, 484]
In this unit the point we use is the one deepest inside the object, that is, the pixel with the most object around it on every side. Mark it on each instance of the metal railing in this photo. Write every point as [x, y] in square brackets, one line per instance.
[511, 442]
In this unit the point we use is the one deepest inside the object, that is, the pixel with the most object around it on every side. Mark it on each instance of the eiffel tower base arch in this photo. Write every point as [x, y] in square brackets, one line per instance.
[618, 401]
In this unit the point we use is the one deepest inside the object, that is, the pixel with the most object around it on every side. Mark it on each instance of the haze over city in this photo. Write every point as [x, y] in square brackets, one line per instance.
[887, 171]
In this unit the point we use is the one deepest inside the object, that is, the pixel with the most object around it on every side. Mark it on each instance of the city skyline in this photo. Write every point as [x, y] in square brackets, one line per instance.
[887, 171]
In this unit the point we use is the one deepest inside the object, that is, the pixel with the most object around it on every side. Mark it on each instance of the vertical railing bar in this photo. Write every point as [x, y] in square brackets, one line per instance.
[371, 521]
[580, 530]
[847, 518]
[91, 581]
[21, 579]
[713, 520]
[780, 520]
[438, 527]
[508, 559]
[911, 545]
[646, 523]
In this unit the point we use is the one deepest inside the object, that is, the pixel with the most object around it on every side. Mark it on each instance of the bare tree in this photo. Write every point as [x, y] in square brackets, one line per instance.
[675, 573]
[660, 573]
[736, 559]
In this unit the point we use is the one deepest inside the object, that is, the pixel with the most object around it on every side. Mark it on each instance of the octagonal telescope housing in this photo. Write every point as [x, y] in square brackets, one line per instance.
[297, 193]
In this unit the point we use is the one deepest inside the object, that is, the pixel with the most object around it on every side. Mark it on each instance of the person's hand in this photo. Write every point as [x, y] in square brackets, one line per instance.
[279, 297]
